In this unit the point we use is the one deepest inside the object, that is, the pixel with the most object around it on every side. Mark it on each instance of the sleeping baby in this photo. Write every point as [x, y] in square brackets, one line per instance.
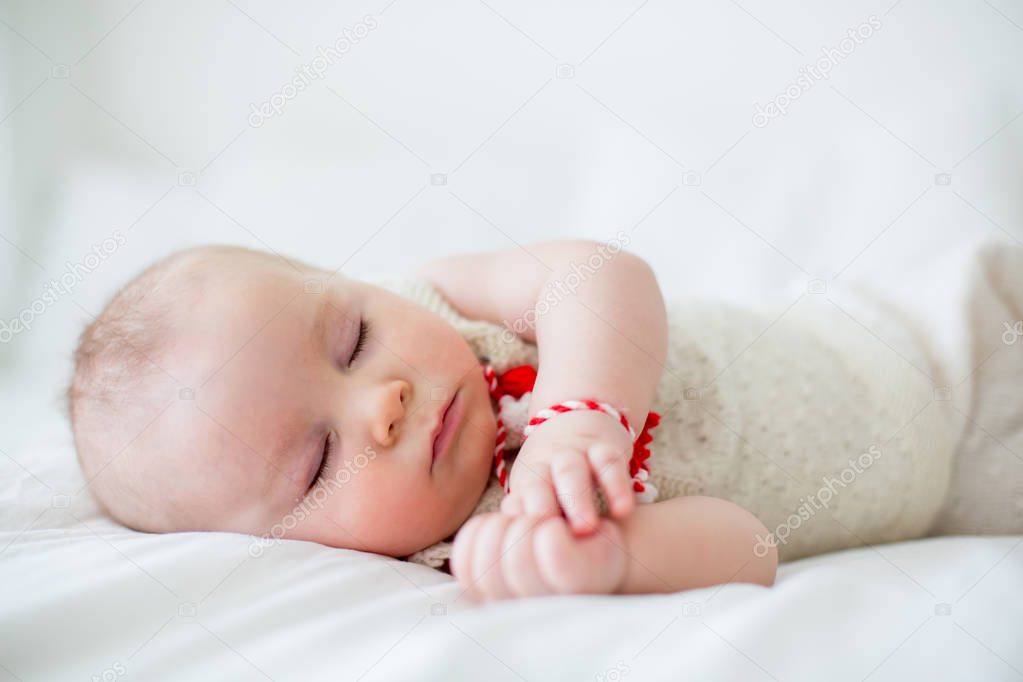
[535, 421]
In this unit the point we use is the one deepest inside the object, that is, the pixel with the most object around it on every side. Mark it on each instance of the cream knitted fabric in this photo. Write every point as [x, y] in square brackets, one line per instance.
[798, 415]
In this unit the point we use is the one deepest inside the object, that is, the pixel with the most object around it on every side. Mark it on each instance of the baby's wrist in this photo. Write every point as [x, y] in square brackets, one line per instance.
[588, 405]
[579, 424]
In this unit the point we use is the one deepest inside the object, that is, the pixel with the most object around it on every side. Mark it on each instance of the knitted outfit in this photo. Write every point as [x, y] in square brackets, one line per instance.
[820, 429]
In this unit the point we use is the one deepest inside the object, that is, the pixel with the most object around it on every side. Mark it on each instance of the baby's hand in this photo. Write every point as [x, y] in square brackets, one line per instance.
[496, 556]
[557, 464]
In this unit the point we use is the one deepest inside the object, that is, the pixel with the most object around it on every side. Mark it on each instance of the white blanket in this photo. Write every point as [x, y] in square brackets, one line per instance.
[81, 597]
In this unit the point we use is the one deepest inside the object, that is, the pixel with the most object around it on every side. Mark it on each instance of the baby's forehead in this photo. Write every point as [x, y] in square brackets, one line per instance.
[233, 273]
[229, 314]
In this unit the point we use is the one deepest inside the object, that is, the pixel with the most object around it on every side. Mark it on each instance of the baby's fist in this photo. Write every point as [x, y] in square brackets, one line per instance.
[497, 556]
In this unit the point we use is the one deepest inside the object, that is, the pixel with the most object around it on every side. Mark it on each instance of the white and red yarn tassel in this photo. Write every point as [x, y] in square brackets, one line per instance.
[512, 390]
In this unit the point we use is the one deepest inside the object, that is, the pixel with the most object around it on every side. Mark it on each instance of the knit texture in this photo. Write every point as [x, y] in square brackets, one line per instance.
[798, 415]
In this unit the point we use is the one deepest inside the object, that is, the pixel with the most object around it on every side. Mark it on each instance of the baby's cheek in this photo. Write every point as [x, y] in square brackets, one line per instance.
[390, 503]
[325, 516]
[446, 347]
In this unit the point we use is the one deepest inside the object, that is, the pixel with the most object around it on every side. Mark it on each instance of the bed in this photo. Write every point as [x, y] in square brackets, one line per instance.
[84, 598]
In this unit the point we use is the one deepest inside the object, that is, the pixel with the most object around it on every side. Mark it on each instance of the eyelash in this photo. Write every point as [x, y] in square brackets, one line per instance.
[363, 334]
[328, 442]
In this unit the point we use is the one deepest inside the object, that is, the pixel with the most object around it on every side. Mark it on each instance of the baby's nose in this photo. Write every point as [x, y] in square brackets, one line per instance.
[391, 411]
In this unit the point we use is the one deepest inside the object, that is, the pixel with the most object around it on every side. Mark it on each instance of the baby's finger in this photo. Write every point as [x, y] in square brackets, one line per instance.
[613, 474]
[486, 558]
[511, 505]
[538, 492]
[538, 500]
[521, 571]
[573, 482]
[571, 565]
[461, 554]
[558, 557]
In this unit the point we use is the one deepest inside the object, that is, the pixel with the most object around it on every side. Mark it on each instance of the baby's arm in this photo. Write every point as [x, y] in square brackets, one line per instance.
[599, 323]
[677, 544]
[689, 542]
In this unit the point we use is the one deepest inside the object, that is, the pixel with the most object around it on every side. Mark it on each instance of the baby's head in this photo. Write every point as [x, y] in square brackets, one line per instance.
[208, 390]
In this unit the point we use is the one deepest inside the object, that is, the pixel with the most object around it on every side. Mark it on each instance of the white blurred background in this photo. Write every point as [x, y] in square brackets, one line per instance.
[466, 124]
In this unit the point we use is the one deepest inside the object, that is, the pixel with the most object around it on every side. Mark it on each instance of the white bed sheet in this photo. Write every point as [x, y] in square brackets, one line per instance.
[82, 597]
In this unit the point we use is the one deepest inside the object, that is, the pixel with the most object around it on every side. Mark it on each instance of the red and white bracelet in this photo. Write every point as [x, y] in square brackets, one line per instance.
[569, 406]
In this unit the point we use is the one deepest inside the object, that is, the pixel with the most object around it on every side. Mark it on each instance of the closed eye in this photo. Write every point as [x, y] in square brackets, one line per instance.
[328, 447]
[361, 342]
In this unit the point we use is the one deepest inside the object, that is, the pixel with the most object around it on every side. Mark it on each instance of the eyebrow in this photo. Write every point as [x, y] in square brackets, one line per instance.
[319, 322]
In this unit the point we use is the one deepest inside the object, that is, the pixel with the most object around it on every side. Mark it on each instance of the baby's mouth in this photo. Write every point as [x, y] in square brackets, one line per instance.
[447, 425]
